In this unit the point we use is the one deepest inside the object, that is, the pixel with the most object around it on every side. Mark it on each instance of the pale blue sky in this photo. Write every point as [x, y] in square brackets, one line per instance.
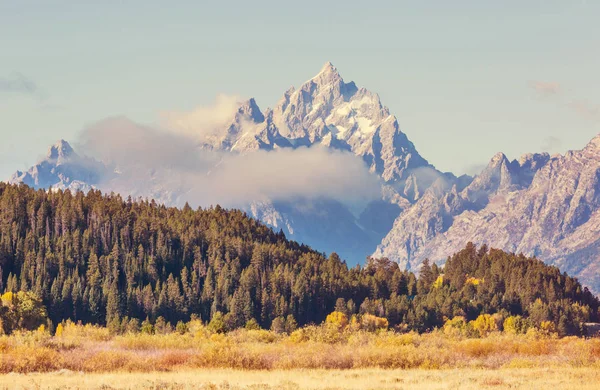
[466, 79]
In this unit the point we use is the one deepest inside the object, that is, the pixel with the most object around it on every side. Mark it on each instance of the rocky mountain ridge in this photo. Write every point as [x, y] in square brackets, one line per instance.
[540, 205]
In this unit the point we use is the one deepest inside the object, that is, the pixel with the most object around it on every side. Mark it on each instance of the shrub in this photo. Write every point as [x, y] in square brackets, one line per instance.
[278, 325]
[217, 324]
[457, 326]
[290, 324]
[515, 325]
[300, 335]
[147, 327]
[252, 324]
[372, 323]
[181, 327]
[547, 327]
[162, 327]
[85, 332]
[59, 330]
[337, 320]
[484, 324]
[354, 323]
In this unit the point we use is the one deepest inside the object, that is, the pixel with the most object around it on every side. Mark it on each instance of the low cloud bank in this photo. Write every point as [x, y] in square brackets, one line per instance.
[150, 162]
[202, 121]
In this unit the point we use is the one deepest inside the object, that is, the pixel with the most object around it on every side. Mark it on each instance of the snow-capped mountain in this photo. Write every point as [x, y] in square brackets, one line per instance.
[327, 111]
[547, 206]
[62, 168]
[247, 131]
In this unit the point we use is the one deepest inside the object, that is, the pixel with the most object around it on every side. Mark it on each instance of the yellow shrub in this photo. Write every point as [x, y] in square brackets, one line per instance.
[337, 319]
[439, 282]
[547, 327]
[85, 332]
[515, 325]
[354, 323]
[299, 336]
[59, 330]
[473, 281]
[372, 323]
[253, 336]
[7, 298]
[484, 324]
[456, 326]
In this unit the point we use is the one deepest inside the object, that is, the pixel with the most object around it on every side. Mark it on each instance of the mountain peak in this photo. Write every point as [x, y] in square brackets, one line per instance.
[250, 109]
[61, 149]
[594, 144]
[328, 72]
[328, 68]
[498, 159]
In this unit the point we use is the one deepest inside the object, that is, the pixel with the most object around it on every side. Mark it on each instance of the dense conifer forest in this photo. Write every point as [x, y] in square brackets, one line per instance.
[99, 258]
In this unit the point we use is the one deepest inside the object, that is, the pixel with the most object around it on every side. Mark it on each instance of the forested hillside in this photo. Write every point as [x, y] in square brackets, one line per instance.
[98, 258]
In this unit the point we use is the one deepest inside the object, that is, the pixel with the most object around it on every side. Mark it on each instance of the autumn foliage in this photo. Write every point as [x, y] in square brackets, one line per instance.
[126, 265]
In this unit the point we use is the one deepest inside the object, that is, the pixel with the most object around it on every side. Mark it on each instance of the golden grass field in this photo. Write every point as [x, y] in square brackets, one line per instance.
[374, 378]
[316, 358]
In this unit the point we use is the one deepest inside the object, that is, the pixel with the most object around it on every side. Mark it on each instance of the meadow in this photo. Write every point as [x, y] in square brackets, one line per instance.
[88, 356]
[465, 378]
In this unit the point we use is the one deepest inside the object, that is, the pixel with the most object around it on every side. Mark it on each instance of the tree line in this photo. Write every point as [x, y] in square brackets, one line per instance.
[102, 259]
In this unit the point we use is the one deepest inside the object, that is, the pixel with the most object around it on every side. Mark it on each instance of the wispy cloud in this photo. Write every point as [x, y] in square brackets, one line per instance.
[586, 109]
[474, 169]
[155, 162]
[551, 144]
[18, 83]
[546, 88]
[203, 120]
[553, 89]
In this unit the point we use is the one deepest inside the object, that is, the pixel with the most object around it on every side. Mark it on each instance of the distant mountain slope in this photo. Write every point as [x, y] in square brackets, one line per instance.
[540, 206]
[325, 111]
[62, 168]
[328, 111]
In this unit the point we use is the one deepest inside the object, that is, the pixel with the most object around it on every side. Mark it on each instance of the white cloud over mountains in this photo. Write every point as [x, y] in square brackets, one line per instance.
[155, 161]
[202, 120]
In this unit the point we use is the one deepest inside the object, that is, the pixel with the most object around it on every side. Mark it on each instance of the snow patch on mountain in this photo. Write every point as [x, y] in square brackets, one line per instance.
[541, 205]
[62, 168]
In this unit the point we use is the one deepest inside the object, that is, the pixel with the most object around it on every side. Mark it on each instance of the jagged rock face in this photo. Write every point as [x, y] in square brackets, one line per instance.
[324, 111]
[328, 111]
[62, 168]
[247, 118]
[540, 206]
